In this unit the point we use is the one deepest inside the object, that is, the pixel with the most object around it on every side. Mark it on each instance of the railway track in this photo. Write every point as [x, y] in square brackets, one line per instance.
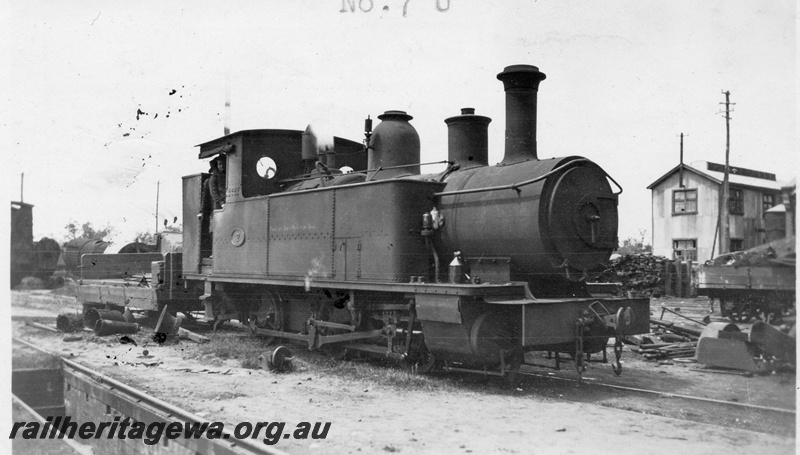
[714, 402]
[126, 401]
[718, 410]
[236, 328]
[731, 404]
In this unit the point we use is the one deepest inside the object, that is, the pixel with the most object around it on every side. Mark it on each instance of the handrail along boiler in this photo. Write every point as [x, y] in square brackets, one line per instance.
[361, 261]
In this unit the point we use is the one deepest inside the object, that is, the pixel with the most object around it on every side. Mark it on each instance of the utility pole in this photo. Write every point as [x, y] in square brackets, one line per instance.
[22, 187]
[158, 189]
[724, 209]
[227, 126]
[680, 184]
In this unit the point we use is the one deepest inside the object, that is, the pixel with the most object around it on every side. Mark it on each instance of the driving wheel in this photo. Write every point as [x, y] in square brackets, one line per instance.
[267, 314]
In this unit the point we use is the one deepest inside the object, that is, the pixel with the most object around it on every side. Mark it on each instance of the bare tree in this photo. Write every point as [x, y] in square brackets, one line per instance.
[636, 245]
[86, 231]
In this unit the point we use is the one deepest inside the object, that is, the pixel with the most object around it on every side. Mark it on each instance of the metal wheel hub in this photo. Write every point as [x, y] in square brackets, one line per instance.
[267, 314]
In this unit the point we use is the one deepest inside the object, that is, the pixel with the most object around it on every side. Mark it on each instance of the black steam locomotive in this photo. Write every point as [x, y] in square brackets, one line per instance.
[468, 268]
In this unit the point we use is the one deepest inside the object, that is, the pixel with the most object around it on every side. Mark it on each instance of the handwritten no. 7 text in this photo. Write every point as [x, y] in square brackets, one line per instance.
[366, 6]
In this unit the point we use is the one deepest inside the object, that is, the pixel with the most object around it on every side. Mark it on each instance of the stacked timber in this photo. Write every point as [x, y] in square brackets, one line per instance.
[667, 341]
[667, 350]
[640, 274]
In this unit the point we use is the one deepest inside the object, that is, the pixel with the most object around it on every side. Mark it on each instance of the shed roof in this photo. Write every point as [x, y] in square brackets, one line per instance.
[738, 176]
[780, 208]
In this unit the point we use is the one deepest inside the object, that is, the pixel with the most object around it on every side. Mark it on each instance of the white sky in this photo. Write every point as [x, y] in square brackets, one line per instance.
[624, 78]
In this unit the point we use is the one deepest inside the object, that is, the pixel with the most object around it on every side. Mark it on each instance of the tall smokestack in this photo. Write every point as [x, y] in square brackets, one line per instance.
[521, 83]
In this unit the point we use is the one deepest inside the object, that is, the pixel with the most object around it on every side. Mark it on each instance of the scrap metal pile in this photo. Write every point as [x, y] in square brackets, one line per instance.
[669, 341]
[761, 349]
[779, 252]
[102, 323]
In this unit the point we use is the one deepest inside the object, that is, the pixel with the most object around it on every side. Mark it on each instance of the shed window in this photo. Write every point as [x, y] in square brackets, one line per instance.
[736, 202]
[737, 245]
[685, 249]
[684, 201]
[768, 201]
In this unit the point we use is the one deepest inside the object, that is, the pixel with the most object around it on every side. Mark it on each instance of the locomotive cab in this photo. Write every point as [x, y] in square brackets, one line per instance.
[258, 163]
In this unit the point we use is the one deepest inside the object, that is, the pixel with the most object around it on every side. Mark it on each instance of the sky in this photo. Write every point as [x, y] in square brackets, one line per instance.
[103, 102]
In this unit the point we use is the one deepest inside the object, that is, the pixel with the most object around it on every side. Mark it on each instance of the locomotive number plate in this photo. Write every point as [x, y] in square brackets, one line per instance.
[237, 237]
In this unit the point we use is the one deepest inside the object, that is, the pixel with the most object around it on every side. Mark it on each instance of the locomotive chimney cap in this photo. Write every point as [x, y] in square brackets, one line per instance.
[399, 115]
[521, 76]
[468, 116]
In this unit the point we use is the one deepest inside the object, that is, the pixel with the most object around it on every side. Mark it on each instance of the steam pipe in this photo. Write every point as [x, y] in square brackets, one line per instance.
[311, 176]
[435, 259]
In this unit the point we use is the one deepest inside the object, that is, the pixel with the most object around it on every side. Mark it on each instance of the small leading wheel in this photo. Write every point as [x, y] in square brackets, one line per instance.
[421, 360]
[267, 315]
[426, 363]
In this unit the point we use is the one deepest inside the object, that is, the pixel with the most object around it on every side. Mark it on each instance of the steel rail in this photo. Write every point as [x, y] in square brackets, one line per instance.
[630, 389]
[666, 394]
[229, 442]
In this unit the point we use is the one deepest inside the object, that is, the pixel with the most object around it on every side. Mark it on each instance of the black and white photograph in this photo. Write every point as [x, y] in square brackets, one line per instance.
[399, 227]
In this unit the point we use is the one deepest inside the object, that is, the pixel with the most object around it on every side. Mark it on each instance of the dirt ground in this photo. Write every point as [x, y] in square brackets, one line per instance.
[379, 408]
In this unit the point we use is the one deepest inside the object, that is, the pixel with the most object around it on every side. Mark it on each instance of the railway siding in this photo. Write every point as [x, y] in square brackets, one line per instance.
[375, 406]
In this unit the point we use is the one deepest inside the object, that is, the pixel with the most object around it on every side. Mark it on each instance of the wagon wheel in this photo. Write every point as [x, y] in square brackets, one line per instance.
[741, 312]
[723, 310]
[267, 314]
[765, 312]
[773, 317]
[740, 317]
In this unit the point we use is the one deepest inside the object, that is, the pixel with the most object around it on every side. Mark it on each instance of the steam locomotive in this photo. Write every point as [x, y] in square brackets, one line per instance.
[469, 268]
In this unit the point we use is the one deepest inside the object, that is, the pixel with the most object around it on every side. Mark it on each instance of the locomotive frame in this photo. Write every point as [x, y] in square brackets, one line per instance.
[350, 262]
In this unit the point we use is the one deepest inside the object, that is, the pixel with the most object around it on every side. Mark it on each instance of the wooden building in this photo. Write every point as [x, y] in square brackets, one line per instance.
[685, 209]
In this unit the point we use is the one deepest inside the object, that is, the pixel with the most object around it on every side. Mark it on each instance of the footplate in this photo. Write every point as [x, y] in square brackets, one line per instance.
[548, 323]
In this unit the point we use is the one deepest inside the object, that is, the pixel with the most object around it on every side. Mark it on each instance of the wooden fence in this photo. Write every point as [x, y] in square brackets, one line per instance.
[679, 278]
